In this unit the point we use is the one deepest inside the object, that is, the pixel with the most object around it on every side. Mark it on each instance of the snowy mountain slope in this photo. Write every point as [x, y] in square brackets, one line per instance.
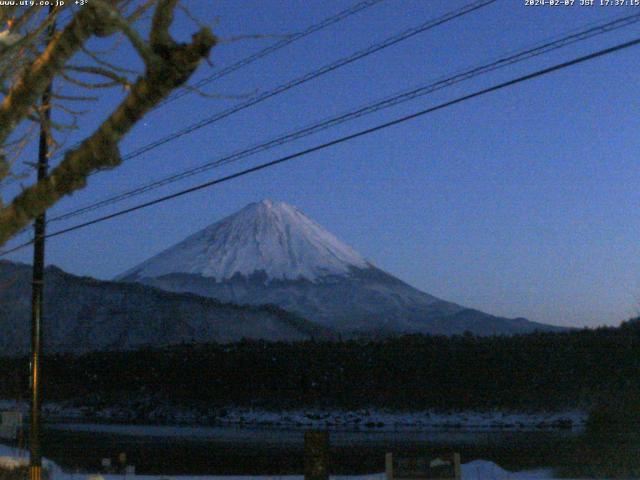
[82, 314]
[271, 237]
[271, 253]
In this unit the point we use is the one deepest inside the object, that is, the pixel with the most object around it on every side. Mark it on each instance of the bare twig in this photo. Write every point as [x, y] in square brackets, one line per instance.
[170, 68]
[140, 11]
[75, 98]
[88, 85]
[96, 58]
[35, 78]
[67, 110]
[102, 72]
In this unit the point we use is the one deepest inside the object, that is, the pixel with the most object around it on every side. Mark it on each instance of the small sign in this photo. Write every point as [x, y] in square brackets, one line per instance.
[443, 467]
[316, 455]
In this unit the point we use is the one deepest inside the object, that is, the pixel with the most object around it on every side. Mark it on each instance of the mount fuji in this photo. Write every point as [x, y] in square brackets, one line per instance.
[271, 253]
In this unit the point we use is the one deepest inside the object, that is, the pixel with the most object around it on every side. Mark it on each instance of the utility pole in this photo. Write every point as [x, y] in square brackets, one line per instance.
[35, 453]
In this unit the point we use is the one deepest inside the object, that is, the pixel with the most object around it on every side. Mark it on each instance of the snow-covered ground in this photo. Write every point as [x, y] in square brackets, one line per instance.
[476, 470]
[424, 420]
[357, 420]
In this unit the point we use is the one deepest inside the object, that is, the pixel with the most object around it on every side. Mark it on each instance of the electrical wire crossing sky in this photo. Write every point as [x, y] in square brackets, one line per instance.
[514, 195]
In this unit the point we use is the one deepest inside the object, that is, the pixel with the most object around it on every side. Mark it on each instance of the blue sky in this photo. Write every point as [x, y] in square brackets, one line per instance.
[521, 203]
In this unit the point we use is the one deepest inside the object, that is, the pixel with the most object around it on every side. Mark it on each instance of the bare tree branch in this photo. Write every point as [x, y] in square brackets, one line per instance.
[33, 81]
[140, 11]
[170, 66]
[75, 98]
[115, 79]
[162, 19]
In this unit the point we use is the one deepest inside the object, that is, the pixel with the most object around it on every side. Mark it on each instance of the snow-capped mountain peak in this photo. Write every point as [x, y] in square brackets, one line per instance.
[270, 237]
[340, 290]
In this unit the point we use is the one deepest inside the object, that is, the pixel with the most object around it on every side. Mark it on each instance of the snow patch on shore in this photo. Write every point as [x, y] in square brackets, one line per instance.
[476, 470]
[149, 411]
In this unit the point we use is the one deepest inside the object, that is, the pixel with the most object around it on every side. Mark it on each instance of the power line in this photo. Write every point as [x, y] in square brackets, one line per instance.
[405, 35]
[327, 22]
[509, 59]
[388, 42]
[275, 47]
[406, 118]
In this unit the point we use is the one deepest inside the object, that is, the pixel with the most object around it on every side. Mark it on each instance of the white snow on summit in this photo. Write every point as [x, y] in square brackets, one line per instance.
[268, 236]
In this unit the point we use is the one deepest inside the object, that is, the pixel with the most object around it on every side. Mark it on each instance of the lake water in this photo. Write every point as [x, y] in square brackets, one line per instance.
[276, 451]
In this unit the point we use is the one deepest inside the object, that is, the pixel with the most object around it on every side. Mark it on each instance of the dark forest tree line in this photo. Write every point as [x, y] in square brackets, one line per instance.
[575, 369]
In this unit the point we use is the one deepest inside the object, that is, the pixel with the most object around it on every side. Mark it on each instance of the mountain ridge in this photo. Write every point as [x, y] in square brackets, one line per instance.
[83, 314]
[270, 252]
